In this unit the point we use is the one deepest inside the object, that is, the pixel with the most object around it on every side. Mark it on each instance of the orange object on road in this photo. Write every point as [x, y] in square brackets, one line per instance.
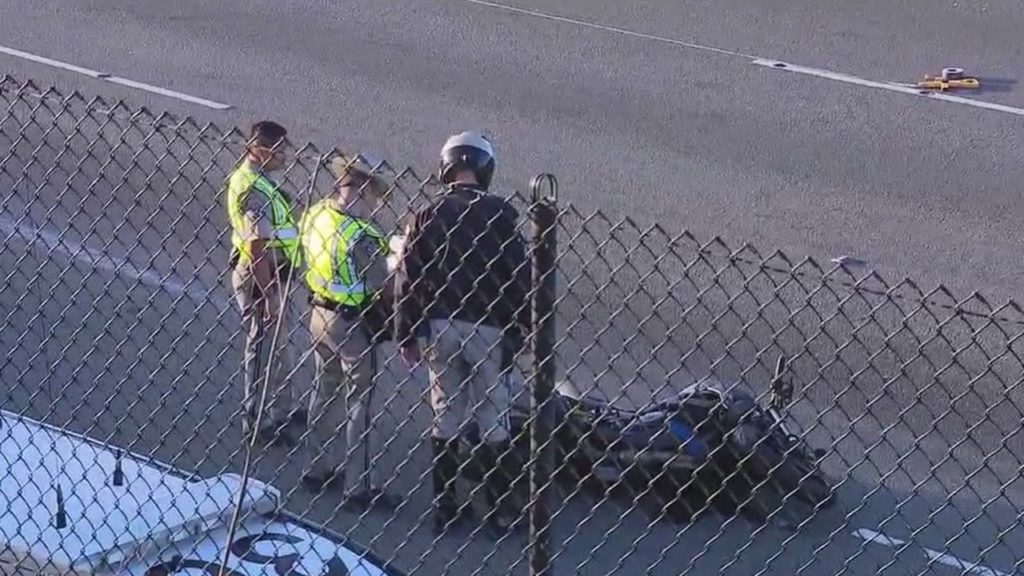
[951, 78]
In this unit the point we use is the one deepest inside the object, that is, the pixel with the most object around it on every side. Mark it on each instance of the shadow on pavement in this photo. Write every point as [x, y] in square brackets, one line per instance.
[989, 85]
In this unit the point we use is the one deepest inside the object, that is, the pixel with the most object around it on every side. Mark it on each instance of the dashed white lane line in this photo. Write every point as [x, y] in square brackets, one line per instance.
[759, 61]
[97, 259]
[878, 538]
[113, 79]
[943, 558]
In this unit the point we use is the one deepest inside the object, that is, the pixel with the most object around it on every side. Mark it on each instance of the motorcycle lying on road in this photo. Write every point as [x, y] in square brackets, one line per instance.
[708, 447]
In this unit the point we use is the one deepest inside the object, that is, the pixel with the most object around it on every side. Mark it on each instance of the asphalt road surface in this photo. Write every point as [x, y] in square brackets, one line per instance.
[658, 115]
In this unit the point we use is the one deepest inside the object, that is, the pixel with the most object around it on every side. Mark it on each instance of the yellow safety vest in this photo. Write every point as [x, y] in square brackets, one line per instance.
[246, 180]
[326, 235]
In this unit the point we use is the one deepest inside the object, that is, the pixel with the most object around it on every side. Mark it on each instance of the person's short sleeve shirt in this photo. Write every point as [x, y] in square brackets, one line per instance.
[258, 216]
[370, 263]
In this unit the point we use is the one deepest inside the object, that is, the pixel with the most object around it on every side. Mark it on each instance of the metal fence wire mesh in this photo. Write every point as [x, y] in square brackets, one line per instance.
[715, 409]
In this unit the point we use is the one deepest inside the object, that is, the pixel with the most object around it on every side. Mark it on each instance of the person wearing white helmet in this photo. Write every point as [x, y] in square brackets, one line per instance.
[464, 276]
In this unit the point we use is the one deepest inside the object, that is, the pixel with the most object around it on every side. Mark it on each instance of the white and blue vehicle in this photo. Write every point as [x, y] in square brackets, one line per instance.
[72, 505]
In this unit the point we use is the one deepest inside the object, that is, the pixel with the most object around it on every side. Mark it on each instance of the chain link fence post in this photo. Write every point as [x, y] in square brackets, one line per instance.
[544, 217]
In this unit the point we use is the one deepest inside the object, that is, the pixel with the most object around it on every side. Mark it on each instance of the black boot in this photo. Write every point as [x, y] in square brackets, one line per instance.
[501, 467]
[445, 473]
[272, 434]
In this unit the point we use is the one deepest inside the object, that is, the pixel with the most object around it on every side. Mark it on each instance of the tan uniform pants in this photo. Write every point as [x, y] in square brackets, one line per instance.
[258, 357]
[464, 362]
[346, 366]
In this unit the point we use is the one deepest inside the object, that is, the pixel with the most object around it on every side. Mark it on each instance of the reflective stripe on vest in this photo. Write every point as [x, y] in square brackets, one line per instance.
[244, 181]
[326, 237]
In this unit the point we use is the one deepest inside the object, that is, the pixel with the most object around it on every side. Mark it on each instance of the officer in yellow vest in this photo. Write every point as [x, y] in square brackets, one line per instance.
[346, 257]
[264, 253]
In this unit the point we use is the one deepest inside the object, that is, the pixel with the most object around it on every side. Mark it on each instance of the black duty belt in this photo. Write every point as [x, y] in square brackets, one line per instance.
[347, 312]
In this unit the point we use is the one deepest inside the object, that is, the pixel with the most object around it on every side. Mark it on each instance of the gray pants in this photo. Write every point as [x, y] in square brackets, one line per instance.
[258, 356]
[464, 362]
[346, 366]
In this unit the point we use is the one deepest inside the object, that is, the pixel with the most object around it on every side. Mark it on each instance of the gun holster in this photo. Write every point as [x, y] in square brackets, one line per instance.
[377, 320]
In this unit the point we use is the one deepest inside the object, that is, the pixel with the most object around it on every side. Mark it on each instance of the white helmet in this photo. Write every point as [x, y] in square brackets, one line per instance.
[471, 151]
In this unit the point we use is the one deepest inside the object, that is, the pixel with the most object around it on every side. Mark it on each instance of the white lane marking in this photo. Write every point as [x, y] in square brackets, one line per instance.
[878, 538]
[166, 92]
[545, 16]
[113, 79]
[51, 62]
[891, 86]
[965, 567]
[939, 557]
[97, 259]
[769, 63]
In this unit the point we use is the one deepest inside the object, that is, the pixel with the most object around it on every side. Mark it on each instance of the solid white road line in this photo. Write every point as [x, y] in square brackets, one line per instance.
[166, 92]
[891, 86]
[773, 64]
[113, 79]
[50, 62]
[545, 16]
[96, 258]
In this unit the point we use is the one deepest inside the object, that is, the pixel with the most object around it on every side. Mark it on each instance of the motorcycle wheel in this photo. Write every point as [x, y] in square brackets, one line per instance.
[808, 481]
[575, 464]
[789, 468]
[683, 498]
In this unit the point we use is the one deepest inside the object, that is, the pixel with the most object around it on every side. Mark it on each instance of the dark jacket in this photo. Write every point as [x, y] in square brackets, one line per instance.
[464, 259]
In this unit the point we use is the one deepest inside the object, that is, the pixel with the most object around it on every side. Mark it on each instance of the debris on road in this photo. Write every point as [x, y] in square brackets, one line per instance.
[950, 78]
[849, 261]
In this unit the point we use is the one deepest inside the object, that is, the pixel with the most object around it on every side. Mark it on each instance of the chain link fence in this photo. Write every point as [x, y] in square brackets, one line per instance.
[682, 406]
